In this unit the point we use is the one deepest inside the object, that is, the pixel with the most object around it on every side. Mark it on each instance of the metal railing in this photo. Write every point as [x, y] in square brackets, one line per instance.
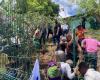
[15, 68]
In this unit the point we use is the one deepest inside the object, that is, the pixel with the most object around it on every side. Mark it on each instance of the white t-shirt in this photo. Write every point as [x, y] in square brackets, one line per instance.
[64, 26]
[91, 74]
[66, 69]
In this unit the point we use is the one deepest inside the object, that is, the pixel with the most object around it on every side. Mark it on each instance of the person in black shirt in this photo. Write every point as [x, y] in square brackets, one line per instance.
[43, 32]
[57, 32]
[49, 30]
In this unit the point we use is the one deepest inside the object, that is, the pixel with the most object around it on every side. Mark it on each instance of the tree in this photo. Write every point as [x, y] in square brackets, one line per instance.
[45, 7]
[91, 7]
[22, 6]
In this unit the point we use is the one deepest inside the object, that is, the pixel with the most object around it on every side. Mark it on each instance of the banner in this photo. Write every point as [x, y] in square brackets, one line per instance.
[36, 72]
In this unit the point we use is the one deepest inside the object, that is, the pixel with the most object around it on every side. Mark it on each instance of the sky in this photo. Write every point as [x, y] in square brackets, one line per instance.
[4, 0]
[70, 7]
[0, 0]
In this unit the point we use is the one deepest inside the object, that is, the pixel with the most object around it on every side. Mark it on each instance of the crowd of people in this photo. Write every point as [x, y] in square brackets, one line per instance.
[63, 63]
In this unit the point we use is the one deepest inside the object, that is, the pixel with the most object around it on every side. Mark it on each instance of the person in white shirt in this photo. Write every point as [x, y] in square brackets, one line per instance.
[66, 69]
[88, 73]
[65, 29]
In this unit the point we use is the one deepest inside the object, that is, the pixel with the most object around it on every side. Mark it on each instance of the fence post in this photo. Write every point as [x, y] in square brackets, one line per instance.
[74, 51]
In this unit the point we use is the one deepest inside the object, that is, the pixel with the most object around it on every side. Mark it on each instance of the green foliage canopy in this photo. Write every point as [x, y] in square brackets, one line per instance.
[45, 7]
[92, 7]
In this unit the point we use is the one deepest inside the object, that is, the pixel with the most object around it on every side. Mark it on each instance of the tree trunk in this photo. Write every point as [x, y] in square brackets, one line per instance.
[98, 18]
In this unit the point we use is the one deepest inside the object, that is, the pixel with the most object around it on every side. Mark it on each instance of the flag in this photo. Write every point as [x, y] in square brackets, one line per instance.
[35, 72]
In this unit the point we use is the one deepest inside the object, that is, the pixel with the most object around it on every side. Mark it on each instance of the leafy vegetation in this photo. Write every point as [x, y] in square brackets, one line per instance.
[45, 7]
[91, 7]
[21, 17]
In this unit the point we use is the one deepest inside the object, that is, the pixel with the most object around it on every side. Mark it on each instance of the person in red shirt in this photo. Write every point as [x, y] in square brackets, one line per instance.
[80, 34]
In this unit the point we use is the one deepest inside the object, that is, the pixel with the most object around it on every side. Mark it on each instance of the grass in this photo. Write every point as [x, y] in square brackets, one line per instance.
[94, 33]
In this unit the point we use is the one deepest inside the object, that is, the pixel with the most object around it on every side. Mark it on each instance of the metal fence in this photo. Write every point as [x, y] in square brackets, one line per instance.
[15, 68]
[16, 48]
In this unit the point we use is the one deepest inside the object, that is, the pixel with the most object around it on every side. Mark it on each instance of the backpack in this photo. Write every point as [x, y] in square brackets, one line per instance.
[53, 72]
